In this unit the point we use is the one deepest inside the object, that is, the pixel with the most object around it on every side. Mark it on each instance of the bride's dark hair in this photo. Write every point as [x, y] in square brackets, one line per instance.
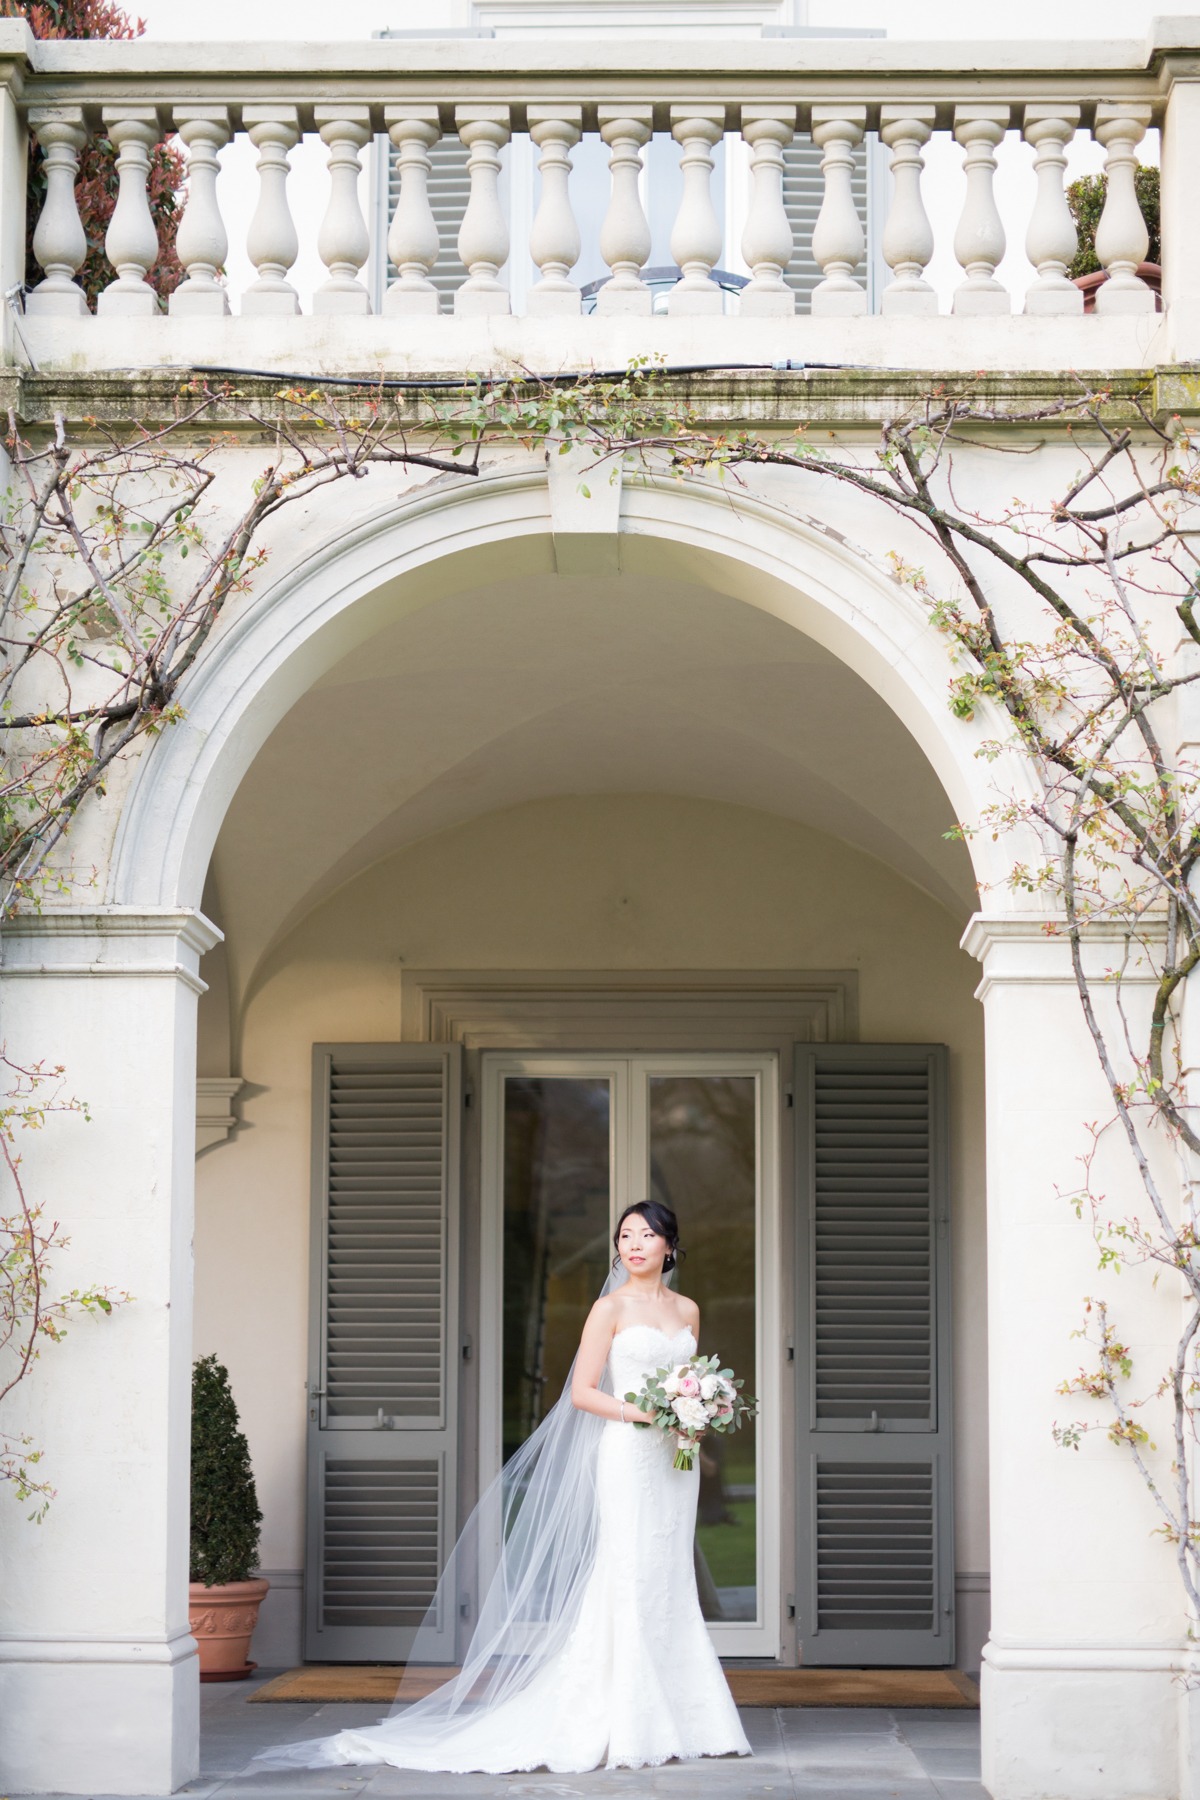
[662, 1222]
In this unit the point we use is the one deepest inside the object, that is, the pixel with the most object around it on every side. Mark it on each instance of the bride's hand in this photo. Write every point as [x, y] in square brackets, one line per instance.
[635, 1416]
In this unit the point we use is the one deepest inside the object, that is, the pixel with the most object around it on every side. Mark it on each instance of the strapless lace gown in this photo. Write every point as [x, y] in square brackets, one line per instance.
[638, 1681]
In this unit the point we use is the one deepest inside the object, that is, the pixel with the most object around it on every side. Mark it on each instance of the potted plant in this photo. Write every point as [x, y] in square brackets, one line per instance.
[224, 1597]
[1085, 198]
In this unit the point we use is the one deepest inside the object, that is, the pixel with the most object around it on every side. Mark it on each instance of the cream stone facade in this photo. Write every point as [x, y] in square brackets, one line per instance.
[655, 783]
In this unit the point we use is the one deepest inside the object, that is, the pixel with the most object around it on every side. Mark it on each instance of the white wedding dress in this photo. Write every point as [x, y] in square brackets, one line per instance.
[637, 1682]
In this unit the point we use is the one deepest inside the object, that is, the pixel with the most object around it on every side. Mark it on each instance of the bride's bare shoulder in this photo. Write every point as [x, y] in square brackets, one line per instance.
[689, 1309]
[604, 1311]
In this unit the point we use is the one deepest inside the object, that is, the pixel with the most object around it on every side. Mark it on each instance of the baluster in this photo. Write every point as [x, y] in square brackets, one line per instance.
[767, 238]
[625, 235]
[413, 241]
[979, 240]
[696, 237]
[131, 242]
[554, 239]
[1122, 241]
[483, 234]
[1051, 240]
[271, 241]
[343, 242]
[202, 243]
[907, 235]
[837, 241]
[59, 242]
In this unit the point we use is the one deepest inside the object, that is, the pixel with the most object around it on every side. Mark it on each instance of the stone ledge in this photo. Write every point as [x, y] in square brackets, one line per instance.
[848, 398]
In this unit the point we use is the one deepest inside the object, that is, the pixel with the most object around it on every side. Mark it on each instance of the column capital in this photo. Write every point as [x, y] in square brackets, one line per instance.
[136, 123]
[848, 122]
[62, 119]
[634, 121]
[190, 113]
[1041, 117]
[543, 119]
[1033, 949]
[106, 941]
[699, 118]
[412, 118]
[899, 121]
[271, 120]
[1114, 119]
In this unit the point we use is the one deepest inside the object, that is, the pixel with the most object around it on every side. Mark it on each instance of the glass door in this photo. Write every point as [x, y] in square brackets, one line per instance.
[558, 1136]
[701, 1142]
[568, 1142]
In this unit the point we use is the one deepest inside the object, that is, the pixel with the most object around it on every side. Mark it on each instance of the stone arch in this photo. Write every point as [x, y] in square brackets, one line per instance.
[313, 613]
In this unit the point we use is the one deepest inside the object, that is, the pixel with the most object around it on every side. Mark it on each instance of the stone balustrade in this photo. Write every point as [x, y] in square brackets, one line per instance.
[746, 101]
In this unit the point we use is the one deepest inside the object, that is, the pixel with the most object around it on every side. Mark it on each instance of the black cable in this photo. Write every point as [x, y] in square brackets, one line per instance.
[405, 385]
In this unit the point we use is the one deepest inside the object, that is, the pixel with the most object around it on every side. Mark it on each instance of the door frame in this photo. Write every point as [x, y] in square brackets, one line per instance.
[629, 1074]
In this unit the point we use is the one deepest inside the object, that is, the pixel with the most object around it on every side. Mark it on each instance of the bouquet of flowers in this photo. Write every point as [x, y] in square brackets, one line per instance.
[693, 1397]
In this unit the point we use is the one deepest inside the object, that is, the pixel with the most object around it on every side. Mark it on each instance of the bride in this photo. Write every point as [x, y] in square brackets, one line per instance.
[588, 1646]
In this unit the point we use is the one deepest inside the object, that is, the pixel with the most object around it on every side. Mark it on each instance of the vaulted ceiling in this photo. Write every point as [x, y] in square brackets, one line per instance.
[549, 686]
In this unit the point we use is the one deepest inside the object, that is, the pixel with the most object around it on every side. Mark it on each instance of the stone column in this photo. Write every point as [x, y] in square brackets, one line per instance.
[1051, 241]
[131, 241]
[202, 242]
[1079, 1698]
[838, 241]
[343, 241]
[554, 239]
[1180, 240]
[413, 242]
[271, 240]
[625, 235]
[99, 1686]
[979, 239]
[14, 154]
[1122, 240]
[767, 238]
[58, 239]
[907, 233]
[483, 234]
[696, 236]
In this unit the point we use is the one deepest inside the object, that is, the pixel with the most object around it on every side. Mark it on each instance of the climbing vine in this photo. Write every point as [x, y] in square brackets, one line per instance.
[1061, 617]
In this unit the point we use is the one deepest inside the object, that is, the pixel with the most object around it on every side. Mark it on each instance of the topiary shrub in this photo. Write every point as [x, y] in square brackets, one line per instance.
[225, 1514]
[1085, 198]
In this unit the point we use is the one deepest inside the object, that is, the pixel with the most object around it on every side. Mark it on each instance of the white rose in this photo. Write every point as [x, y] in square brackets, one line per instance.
[709, 1386]
[671, 1384]
[690, 1412]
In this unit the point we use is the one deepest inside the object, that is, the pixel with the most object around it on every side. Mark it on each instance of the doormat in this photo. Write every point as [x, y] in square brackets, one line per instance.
[889, 1688]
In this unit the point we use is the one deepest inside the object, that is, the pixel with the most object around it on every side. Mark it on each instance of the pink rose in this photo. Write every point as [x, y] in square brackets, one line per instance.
[689, 1385]
[724, 1411]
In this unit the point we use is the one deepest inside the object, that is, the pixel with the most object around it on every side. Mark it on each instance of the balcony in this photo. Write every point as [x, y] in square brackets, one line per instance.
[526, 121]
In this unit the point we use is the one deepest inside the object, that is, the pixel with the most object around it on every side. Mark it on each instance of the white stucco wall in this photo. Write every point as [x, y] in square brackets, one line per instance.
[604, 882]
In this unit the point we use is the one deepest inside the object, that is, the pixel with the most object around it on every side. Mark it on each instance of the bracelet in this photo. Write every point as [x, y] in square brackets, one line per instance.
[623, 1412]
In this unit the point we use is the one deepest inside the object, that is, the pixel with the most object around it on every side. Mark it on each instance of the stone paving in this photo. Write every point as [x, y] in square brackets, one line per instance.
[800, 1753]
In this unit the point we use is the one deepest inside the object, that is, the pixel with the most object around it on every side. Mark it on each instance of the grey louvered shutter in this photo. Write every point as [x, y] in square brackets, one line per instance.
[383, 1386]
[874, 1493]
[803, 188]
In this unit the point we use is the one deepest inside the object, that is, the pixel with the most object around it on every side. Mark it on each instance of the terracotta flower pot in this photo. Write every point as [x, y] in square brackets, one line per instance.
[222, 1619]
[1151, 274]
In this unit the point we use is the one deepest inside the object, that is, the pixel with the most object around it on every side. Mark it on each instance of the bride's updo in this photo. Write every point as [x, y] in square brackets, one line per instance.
[662, 1222]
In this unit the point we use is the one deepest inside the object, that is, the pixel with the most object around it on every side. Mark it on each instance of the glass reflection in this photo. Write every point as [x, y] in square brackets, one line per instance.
[703, 1163]
[556, 1253]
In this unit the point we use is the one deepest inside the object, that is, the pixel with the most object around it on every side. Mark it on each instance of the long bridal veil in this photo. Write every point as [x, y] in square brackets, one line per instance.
[507, 1599]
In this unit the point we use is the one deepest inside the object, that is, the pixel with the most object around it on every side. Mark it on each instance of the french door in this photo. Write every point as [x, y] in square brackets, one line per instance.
[568, 1141]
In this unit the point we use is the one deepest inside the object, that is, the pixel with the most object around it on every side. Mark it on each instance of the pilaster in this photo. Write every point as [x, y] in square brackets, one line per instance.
[98, 1677]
